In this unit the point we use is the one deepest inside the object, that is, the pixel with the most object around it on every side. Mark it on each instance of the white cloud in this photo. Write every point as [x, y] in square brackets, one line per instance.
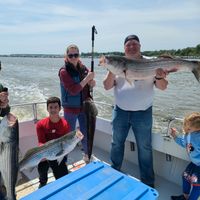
[161, 25]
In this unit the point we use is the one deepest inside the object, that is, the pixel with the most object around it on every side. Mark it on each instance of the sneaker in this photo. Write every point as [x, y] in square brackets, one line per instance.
[86, 158]
[180, 197]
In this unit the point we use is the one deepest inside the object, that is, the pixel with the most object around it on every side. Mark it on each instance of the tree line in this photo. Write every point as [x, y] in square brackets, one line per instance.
[186, 52]
[189, 52]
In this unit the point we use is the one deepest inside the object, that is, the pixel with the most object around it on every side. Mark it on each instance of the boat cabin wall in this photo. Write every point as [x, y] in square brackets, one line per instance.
[170, 160]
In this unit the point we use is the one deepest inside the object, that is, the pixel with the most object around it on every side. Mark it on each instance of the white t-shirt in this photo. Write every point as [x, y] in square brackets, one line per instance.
[136, 96]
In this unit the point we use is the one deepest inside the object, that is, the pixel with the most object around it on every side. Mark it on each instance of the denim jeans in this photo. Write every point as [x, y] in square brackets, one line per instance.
[141, 123]
[71, 119]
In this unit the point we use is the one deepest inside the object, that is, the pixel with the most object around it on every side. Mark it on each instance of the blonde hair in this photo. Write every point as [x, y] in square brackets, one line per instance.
[191, 121]
[72, 46]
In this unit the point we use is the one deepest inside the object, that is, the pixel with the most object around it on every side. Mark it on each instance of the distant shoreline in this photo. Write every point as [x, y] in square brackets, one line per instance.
[83, 56]
[34, 55]
[186, 53]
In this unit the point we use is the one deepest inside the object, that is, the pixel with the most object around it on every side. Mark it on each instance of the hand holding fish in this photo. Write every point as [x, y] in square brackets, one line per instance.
[11, 119]
[102, 61]
[3, 99]
[52, 150]
[160, 81]
[160, 73]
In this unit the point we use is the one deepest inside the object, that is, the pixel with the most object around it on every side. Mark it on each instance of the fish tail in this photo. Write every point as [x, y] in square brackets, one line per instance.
[196, 71]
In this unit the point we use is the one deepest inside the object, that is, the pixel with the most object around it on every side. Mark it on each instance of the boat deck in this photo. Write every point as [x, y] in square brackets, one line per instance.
[165, 188]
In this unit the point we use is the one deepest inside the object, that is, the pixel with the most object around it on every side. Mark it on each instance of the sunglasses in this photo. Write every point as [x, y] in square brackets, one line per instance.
[76, 55]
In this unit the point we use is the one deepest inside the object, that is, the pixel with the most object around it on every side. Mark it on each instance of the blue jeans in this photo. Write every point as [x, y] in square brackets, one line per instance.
[141, 123]
[71, 119]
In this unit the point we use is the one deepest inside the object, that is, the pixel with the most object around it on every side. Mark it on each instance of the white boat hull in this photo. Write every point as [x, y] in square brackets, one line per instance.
[169, 159]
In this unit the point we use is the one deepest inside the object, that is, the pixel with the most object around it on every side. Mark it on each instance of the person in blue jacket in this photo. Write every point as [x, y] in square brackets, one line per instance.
[191, 141]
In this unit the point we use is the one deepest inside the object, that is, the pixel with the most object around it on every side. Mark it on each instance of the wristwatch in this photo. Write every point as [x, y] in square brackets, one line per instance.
[158, 78]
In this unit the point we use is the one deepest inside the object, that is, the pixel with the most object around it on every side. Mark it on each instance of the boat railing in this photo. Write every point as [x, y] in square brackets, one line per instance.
[34, 110]
[171, 120]
[37, 110]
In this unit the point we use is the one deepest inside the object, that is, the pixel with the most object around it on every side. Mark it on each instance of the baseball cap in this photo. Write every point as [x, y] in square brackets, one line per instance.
[131, 37]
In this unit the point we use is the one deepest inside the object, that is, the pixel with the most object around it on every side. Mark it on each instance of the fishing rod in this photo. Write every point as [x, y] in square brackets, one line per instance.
[94, 31]
[92, 61]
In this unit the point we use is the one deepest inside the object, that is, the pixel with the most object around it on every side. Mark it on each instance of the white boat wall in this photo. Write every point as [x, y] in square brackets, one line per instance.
[169, 159]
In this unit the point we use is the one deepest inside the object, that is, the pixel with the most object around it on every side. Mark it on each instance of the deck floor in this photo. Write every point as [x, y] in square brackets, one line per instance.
[164, 187]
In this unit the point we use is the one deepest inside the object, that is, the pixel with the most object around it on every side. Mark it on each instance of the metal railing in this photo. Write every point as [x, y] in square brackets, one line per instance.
[34, 108]
[171, 120]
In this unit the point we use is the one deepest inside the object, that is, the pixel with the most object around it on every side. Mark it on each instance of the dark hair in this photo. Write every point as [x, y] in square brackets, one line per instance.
[131, 37]
[53, 100]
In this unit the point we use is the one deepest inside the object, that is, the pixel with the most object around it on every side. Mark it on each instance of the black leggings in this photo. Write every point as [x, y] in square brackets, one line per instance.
[59, 170]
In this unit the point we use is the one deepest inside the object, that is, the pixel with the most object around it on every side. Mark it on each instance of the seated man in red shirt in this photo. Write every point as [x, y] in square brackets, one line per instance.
[50, 128]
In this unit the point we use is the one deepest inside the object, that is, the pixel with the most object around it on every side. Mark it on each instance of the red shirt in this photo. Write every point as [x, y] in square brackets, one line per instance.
[47, 130]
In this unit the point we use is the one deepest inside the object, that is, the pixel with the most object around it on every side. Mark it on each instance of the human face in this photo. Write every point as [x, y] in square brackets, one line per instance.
[53, 109]
[132, 49]
[73, 56]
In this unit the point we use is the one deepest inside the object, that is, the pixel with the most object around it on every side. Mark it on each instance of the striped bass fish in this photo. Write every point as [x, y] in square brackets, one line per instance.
[52, 150]
[91, 113]
[9, 148]
[132, 69]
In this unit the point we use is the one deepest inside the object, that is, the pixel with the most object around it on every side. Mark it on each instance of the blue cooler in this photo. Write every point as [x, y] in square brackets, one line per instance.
[97, 181]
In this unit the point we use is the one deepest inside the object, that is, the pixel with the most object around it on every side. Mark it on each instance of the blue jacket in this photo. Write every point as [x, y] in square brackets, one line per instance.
[191, 142]
[68, 100]
[74, 101]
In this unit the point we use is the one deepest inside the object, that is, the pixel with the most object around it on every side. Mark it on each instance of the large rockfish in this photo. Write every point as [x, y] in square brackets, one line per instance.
[9, 148]
[53, 150]
[132, 69]
[91, 113]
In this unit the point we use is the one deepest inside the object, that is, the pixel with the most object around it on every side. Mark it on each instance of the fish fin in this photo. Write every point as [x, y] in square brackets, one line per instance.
[165, 55]
[59, 160]
[130, 82]
[60, 153]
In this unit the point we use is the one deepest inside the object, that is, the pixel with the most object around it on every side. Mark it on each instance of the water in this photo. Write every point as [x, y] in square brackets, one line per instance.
[35, 79]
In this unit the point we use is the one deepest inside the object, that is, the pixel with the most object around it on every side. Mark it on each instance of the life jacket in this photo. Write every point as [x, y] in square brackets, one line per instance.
[68, 100]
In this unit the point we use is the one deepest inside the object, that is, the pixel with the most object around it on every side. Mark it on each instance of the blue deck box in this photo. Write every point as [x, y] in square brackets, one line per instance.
[96, 181]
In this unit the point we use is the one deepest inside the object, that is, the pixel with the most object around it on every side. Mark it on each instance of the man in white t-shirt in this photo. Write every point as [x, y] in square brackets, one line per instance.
[133, 108]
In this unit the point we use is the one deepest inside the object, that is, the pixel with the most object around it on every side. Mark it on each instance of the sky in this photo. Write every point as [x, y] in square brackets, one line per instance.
[49, 26]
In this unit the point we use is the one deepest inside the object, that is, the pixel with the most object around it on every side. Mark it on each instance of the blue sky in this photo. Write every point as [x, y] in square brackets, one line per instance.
[48, 26]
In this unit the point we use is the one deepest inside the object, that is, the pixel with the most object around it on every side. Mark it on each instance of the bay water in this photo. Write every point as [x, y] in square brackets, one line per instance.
[35, 79]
